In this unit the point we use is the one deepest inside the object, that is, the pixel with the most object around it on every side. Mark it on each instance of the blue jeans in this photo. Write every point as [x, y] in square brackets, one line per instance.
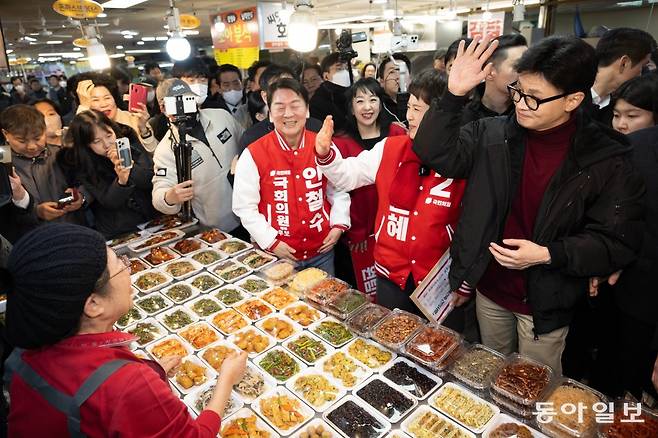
[321, 261]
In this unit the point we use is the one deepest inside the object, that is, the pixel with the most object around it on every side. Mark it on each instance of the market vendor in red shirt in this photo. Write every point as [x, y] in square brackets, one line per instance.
[417, 208]
[71, 374]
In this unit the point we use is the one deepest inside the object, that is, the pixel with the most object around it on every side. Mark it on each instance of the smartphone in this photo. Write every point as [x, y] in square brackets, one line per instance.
[124, 153]
[137, 95]
[5, 158]
[68, 199]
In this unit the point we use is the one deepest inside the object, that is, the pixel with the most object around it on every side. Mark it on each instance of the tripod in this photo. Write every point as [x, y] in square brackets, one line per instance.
[183, 154]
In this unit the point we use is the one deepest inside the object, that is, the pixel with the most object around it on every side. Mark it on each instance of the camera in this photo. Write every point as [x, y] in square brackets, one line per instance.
[180, 106]
[344, 45]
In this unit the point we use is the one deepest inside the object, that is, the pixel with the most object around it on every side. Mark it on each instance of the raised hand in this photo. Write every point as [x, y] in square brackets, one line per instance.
[323, 139]
[467, 69]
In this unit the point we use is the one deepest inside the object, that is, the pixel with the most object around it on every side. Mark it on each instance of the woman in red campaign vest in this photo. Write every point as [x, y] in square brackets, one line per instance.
[418, 209]
[71, 374]
[279, 192]
[366, 126]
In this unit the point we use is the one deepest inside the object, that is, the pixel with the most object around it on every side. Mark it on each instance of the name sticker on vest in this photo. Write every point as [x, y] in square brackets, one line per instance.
[224, 136]
[161, 171]
[197, 160]
[281, 210]
[397, 223]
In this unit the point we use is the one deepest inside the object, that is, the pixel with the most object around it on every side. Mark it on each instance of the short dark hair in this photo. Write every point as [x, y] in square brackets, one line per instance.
[367, 85]
[23, 121]
[641, 92]
[150, 66]
[287, 84]
[439, 54]
[387, 59]
[53, 76]
[328, 61]
[15, 78]
[49, 102]
[363, 70]
[273, 72]
[568, 63]
[615, 43]
[428, 86]
[505, 42]
[251, 71]
[190, 67]
[225, 68]
[104, 80]
[35, 80]
[315, 67]
[451, 53]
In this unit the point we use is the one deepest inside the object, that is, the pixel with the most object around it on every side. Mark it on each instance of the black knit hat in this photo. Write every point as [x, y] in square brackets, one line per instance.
[50, 274]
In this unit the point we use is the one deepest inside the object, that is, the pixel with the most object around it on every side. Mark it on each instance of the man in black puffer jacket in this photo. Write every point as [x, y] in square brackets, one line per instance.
[552, 197]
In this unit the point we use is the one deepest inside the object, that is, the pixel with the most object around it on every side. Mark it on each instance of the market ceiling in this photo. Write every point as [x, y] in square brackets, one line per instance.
[37, 20]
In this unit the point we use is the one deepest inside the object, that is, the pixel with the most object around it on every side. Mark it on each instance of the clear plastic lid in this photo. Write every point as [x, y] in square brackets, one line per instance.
[256, 259]
[414, 379]
[325, 291]
[522, 379]
[307, 278]
[396, 329]
[344, 305]
[308, 348]
[333, 331]
[464, 407]
[644, 424]
[386, 397]
[369, 353]
[525, 412]
[425, 422]
[188, 246]
[351, 417]
[366, 318]
[477, 365]
[505, 426]
[431, 345]
[579, 423]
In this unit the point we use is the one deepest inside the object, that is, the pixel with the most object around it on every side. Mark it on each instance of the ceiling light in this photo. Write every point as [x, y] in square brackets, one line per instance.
[73, 62]
[487, 15]
[161, 38]
[519, 10]
[303, 27]
[118, 55]
[379, 2]
[220, 26]
[178, 47]
[98, 59]
[121, 4]
[128, 37]
[118, 47]
[76, 49]
[101, 15]
[54, 42]
[63, 54]
[143, 51]
[140, 43]
[29, 38]
[194, 32]
[148, 38]
[389, 14]
[8, 51]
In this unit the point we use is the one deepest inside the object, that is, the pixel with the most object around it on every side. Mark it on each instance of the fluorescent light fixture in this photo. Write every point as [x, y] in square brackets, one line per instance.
[379, 2]
[77, 49]
[196, 32]
[8, 51]
[63, 54]
[128, 37]
[148, 38]
[161, 38]
[121, 4]
[118, 47]
[140, 43]
[118, 55]
[166, 64]
[324, 46]
[29, 38]
[54, 42]
[73, 62]
[141, 51]
[102, 15]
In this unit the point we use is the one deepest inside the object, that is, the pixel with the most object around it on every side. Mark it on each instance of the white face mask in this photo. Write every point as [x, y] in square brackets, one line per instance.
[232, 97]
[150, 96]
[201, 91]
[342, 78]
[62, 84]
[54, 125]
[20, 88]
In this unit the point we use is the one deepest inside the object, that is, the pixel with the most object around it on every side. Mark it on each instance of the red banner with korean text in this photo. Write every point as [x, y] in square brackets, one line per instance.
[235, 37]
[364, 270]
[480, 25]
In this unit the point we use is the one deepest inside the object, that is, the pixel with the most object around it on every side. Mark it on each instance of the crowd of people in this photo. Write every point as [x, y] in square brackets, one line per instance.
[534, 167]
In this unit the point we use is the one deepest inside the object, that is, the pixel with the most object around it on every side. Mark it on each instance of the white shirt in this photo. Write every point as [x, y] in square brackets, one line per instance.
[601, 102]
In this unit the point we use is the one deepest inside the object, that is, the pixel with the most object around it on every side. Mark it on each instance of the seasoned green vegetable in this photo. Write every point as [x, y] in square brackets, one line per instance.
[307, 348]
[333, 332]
[280, 365]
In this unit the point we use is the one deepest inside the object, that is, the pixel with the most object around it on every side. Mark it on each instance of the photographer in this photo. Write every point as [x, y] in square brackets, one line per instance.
[214, 136]
[330, 99]
[388, 74]
[121, 195]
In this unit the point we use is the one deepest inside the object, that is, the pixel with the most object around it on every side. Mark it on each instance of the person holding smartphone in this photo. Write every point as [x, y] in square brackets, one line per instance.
[121, 189]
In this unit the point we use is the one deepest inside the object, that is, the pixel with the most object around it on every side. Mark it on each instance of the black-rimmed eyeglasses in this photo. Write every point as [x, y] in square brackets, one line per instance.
[531, 102]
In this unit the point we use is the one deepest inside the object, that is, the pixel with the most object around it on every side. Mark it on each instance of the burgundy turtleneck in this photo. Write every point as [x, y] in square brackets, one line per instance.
[545, 152]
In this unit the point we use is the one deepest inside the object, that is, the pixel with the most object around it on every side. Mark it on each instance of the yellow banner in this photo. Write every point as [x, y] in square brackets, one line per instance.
[77, 8]
[240, 57]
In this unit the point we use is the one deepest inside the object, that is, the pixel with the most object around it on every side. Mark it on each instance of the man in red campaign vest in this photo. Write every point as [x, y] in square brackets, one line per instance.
[281, 196]
[418, 209]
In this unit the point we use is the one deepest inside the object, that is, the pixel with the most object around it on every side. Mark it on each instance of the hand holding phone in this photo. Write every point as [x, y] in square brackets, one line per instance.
[124, 153]
[137, 95]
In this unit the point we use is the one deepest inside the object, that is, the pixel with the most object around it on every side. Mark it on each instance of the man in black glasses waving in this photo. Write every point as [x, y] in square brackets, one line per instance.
[551, 198]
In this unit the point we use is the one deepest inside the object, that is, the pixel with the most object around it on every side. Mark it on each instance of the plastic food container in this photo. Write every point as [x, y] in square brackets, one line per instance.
[303, 314]
[396, 329]
[351, 417]
[347, 370]
[150, 281]
[278, 272]
[325, 291]
[646, 426]
[154, 303]
[477, 365]
[157, 239]
[320, 400]
[209, 375]
[522, 380]
[203, 306]
[215, 354]
[213, 236]
[308, 348]
[199, 335]
[253, 285]
[279, 326]
[180, 292]
[130, 318]
[521, 411]
[254, 383]
[397, 434]
[167, 222]
[195, 400]
[386, 397]
[344, 305]
[441, 368]
[230, 271]
[363, 320]
[414, 379]
[233, 246]
[247, 339]
[138, 265]
[171, 345]
[283, 394]
[188, 246]
[256, 259]
[505, 426]
[580, 423]
[333, 331]
[205, 282]
[242, 421]
[431, 345]
[464, 407]
[159, 255]
[177, 318]
[369, 353]
[207, 256]
[279, 298]
[184, 268]
[147, 331]
[228, 321]
[313, 426]
[229, 295]
[125, 240]
[278, 363]
[307, 278]
[425, 422]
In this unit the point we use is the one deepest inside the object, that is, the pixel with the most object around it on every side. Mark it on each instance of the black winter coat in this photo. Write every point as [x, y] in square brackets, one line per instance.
[591, 216]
